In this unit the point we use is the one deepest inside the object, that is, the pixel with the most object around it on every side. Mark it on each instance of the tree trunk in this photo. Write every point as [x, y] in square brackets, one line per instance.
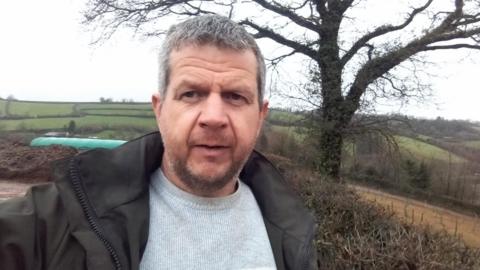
[330, 146]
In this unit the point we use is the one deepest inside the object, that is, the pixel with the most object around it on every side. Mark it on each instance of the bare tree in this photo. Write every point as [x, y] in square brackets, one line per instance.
[325, 32]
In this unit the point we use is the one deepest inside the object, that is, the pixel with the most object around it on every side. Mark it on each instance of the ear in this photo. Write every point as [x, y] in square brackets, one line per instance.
[264, 110]
[156, 105]
[263, 115]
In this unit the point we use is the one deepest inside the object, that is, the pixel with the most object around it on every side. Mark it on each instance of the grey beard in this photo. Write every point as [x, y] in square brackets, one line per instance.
[203, 185]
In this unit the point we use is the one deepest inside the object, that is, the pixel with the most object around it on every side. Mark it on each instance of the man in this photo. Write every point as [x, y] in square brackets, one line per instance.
[196, 197]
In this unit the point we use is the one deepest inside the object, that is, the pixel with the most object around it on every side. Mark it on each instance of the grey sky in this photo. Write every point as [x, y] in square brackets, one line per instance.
[45, 55]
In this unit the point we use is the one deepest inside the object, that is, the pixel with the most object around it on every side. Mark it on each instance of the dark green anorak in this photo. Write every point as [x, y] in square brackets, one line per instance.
[95, 214]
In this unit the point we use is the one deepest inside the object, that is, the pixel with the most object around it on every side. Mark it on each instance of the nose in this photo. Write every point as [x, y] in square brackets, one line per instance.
[213, 114]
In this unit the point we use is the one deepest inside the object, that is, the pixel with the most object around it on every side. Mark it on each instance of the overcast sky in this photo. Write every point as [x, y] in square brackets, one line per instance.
[45, 55]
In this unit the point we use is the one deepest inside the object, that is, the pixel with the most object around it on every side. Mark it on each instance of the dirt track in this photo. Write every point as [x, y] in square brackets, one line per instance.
[417, 212]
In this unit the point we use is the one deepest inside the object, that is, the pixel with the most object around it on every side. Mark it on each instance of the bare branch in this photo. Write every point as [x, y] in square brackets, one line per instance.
[287, 12]
[375, 68]
[468, 20]
[269, 33]
[300, 6]
[382, 30]
[453, 46]
[278, 59]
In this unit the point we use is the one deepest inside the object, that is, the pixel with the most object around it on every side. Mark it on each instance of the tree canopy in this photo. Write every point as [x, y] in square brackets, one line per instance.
[350, 59]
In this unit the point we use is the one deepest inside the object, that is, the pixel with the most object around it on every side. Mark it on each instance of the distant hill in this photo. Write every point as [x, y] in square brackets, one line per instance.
[123, 120]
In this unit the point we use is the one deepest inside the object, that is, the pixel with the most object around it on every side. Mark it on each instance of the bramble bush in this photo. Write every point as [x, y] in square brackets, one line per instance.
[355, 234]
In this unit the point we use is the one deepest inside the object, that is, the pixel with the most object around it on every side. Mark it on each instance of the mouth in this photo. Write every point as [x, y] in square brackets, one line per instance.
[213, 147]
[211, 151]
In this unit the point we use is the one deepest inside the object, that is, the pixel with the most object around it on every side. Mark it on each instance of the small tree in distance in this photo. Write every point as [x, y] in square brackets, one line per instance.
[348, 62]
[71, 127]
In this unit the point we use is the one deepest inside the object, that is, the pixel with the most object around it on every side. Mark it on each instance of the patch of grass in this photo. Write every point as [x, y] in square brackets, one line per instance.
[472, 144]
[297, 132]
[424, 137]
[284, 116]
[420, 150]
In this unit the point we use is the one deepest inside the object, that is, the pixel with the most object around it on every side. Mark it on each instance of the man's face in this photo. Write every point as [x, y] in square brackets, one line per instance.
[209, 118]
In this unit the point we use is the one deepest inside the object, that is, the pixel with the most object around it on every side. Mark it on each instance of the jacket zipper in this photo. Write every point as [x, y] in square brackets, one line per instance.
[87, 210]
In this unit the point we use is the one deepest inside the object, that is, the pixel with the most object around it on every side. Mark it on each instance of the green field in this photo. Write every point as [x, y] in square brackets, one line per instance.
[89, 120]
[118, 106]
[120, 112]
[298, 133]
[119, 134]
[120, 120]
[284, 116]
[472, 144]
[421, 150]
[39, 109]
[34, 109]
[424, 137]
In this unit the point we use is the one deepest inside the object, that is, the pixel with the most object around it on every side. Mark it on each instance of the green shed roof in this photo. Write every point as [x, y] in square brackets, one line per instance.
[79, 143]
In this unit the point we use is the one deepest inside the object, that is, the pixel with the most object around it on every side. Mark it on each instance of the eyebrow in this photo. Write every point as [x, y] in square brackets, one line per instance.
[190, 83]
[235, 84]
[231, 85]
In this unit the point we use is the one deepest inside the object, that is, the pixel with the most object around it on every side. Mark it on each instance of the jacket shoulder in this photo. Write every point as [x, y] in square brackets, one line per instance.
[31, 228]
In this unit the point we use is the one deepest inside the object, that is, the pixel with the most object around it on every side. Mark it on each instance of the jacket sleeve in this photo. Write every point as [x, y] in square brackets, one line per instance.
[30, 228]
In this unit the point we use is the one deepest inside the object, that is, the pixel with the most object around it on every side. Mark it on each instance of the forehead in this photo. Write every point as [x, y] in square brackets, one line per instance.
[213, 59]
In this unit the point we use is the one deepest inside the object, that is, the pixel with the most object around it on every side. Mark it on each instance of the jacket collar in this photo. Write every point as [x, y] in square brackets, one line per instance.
[112, 178]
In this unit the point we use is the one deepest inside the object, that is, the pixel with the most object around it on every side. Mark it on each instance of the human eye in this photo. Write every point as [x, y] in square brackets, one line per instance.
[235, 98]
[190, 96]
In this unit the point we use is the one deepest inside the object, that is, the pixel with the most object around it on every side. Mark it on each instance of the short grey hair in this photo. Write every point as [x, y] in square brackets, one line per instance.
[209, 30]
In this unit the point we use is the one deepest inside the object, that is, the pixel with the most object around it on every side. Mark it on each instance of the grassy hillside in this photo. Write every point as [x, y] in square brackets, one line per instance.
[283, 117]
[39, 109]
[112, 106]
[105, 120]
[88, 120]
[30, 115]
[132, 112]
[34, 109]
[424, 151]
[298, 133]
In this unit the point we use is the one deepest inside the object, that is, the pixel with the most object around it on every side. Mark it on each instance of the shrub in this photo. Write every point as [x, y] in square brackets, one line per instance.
[418, 175]
[354, 234]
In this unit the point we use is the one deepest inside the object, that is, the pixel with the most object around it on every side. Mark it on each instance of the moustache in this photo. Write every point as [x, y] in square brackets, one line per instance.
[211, 140]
